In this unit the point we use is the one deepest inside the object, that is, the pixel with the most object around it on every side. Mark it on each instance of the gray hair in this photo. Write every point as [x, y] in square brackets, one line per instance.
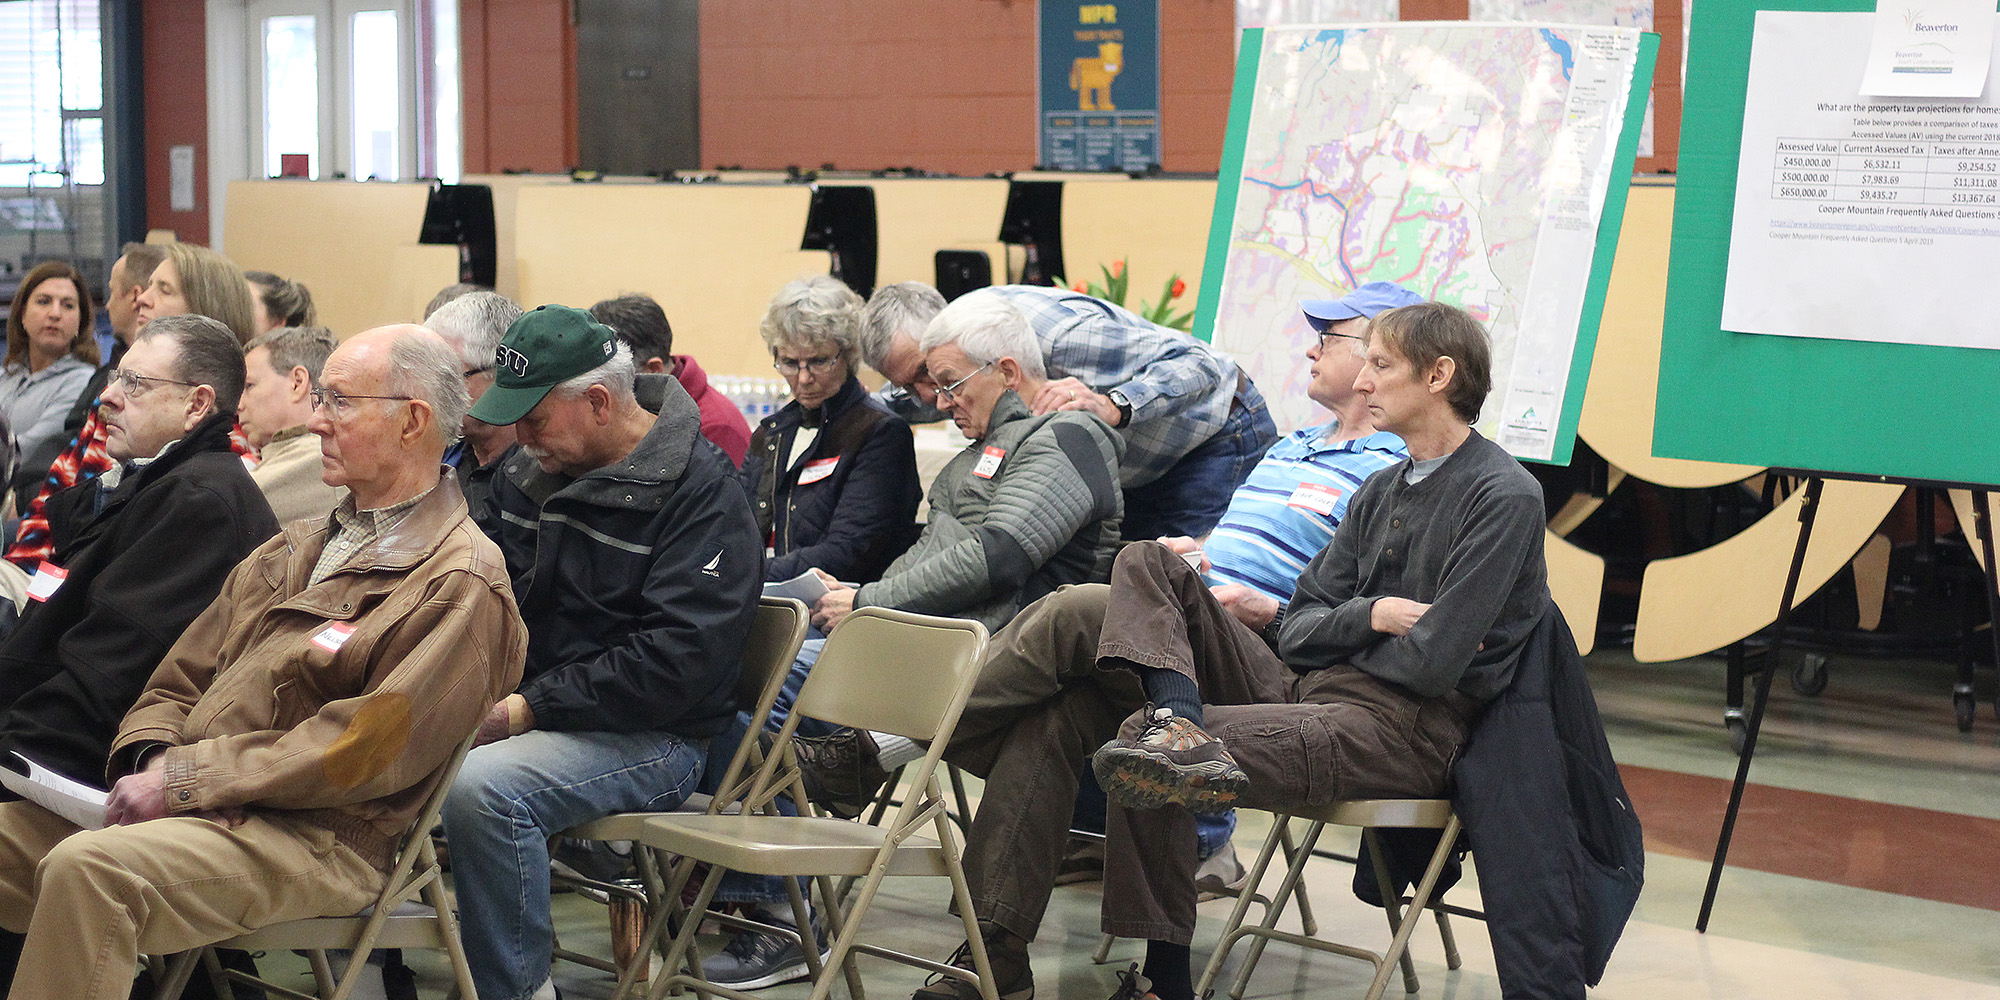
[423, 368]
[987, 328]
[296, 347]
[207, 353]
[474, 323]
[905, 307]
[812, 311]
[616, 375]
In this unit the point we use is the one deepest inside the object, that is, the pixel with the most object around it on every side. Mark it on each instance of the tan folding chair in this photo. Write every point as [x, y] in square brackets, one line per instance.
[412, 911]
[776, 634]
[1370, 815]
[863, 679]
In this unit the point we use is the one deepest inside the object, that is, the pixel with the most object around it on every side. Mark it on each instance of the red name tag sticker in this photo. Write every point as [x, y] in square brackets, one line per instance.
[47, 580]
[334, 636]
[816, 471]
[989, 462]
[1316, 498]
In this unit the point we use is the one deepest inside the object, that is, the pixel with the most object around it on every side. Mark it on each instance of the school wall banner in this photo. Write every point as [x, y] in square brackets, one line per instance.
[1099, 85]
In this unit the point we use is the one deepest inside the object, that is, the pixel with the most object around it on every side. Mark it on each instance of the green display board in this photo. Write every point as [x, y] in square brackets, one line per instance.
[1860, 409]
[1426, 154]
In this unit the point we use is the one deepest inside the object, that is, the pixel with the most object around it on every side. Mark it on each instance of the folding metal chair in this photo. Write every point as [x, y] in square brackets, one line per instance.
[412, 911]
[864, 678]
[775, 637]
[1369, 815]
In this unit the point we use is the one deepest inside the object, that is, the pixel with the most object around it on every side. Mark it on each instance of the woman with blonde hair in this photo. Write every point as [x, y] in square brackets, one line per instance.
[50, 353]
[194, 279]
[191, 280]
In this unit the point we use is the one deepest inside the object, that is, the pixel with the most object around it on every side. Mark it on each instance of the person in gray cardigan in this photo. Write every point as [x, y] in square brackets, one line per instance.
[1400, 631]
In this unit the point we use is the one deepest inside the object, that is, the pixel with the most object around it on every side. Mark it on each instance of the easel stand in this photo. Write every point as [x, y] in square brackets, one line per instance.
[1982, 522]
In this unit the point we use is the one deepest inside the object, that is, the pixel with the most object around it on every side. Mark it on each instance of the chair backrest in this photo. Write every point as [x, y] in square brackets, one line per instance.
[775, 637]
[894, 672]
[409, 850]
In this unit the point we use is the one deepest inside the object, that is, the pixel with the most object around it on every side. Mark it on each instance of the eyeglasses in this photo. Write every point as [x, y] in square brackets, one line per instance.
[341, 401]
[1326, 335]
[947, 392]
[817, 366]
[136, 385]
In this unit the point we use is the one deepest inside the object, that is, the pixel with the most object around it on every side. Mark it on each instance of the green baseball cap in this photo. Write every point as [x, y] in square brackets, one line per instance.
[543, 347]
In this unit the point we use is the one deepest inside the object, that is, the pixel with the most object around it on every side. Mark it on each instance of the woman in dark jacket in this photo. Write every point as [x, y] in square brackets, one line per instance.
[833, 475]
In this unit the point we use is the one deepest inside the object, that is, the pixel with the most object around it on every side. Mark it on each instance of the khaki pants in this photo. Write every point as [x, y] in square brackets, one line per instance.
[92, 902]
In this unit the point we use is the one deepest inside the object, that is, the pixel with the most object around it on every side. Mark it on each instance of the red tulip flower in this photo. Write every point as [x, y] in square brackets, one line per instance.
[1179, 289]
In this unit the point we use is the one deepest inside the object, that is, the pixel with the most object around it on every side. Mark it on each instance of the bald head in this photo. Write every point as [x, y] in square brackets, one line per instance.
[393, 401]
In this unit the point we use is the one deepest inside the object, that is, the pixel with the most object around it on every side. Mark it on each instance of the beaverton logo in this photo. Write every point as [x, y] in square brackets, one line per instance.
[1913, 20]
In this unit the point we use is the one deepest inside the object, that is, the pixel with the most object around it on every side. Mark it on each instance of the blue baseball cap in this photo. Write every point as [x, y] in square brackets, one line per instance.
[1368, 300]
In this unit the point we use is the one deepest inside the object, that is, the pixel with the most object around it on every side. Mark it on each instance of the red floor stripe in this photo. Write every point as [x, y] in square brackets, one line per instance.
[1946, 857]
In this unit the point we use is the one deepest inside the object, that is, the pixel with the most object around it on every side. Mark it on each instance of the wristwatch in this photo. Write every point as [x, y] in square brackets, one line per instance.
[1124, 406]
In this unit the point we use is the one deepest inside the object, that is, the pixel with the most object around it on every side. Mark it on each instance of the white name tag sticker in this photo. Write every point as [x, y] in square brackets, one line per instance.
[1316, 498]
[47, 580]
[334, 636]
[989, 462]
[816, 471]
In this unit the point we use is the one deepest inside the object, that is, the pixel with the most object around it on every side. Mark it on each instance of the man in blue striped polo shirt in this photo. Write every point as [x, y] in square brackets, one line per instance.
[1048, 695]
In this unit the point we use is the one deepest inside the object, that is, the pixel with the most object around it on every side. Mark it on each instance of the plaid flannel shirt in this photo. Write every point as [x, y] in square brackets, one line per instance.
[1180, 389]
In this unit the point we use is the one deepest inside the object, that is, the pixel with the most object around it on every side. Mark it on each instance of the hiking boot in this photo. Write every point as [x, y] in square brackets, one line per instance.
[1171, 763]
[841, 773]
[753, 959]
[1012, 979]
[1132, 985]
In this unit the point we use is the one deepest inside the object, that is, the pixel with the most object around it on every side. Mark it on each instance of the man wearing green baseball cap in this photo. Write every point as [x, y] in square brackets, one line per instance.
[637, 565]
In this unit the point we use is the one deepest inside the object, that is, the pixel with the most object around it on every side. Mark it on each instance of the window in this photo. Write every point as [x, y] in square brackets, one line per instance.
[51, 94]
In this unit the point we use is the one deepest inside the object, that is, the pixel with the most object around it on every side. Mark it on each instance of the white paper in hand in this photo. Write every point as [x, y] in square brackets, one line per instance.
[806, 587]
[72, 800]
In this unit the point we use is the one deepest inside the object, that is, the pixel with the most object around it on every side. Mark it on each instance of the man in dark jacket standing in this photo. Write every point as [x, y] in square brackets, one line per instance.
[1398, 635]
[139, 551]
[637, 566]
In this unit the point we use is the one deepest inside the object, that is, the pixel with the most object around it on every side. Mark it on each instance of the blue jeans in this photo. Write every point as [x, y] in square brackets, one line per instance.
[509, 799]
[1191, 497]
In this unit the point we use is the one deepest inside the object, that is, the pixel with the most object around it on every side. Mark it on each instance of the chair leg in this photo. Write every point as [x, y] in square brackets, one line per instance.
[454, 948]
[1399, 945]
[323, 972]
[1230, 930]
[683, 952]
[1451, 959]
[218, 980]
[171, 976]
[1307, 925]
[1294, 874]
[836, 923]
[1103, 951]
[961, 893]
[1392, 906]
[802, 922]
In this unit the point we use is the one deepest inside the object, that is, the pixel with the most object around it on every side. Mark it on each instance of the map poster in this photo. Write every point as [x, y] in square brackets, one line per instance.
[1472, 163]
[1100, 85]
[1846, 205]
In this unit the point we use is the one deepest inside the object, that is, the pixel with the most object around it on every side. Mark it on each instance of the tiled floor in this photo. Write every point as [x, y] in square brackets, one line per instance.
[1866, 862]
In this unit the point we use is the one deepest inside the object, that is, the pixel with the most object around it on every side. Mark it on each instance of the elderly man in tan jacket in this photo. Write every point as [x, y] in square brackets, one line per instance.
[289, 738]
[281, 369]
